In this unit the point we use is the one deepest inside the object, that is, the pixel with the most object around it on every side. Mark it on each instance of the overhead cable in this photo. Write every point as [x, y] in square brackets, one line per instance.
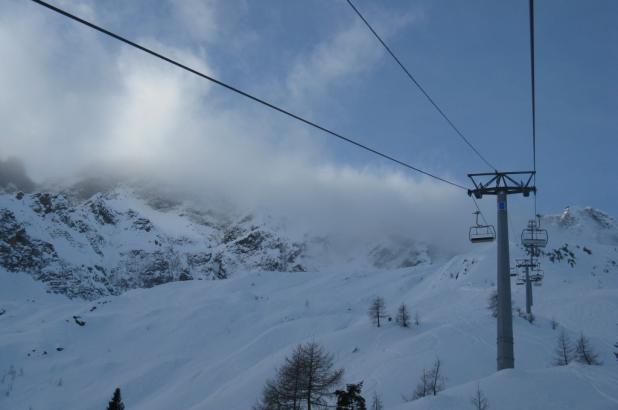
[531, 12]
[244, 93]
[418, 85]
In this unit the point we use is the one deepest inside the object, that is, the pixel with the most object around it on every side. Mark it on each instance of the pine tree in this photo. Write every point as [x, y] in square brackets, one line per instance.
[479, 401]
[616, 352]
[377, 310]
[584, 353]
[376, 402]
[563, 354]
[403, 317]
[351, 399]
[116, 402]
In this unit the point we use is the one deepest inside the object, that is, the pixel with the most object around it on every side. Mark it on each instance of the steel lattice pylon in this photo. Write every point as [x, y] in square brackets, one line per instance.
[503, 184]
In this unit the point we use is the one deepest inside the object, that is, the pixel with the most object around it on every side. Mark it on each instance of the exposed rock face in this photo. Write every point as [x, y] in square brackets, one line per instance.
[20, 252]
[106, 245]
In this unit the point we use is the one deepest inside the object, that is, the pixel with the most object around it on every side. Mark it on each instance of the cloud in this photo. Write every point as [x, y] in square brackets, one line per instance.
[72, 103]
[199, 17]
[344, 56]
[349, 53]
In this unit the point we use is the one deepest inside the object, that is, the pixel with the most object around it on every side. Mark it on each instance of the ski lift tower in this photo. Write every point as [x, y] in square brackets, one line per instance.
[533, 238]
[503, 184]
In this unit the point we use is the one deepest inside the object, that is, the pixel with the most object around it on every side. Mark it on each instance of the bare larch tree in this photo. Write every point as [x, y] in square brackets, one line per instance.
[376, 402]
[584, 353]
[432, 382]
[403, 316]
[377, 310]
[305, 381]
[563, 354]
[479, 401]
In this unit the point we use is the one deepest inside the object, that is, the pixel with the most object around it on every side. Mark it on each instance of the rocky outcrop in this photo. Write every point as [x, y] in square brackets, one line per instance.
[102, 246]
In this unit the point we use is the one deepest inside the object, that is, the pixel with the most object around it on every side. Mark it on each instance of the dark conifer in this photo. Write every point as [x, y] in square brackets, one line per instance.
[350, 398]
[116, 402]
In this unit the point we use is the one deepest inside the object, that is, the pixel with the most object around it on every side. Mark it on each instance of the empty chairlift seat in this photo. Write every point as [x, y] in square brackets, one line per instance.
[533, 236]
[481, 233]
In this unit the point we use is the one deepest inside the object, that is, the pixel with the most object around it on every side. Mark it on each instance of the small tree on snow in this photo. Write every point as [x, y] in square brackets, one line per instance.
[563, 354]
[479, 401]
[376, 402]
[584, 353]
[403, 316]
[377, 310]
[492, 303]
[432, 382]
[422, 388]
[116, 402]
[437, 379]
[554, 323]
[616, 352]
[417, 319]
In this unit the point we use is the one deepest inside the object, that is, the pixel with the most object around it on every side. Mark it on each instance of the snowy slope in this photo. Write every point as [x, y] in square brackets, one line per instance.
[212, 344]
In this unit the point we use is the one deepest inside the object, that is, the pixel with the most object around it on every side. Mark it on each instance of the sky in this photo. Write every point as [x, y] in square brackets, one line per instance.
[75, 102]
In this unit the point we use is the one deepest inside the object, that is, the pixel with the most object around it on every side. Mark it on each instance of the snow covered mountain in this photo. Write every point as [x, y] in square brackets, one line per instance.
[212, 344]
[118, 240]
[113, 242]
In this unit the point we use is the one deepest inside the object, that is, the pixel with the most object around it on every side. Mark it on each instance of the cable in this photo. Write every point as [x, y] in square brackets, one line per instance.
[531, 12]
[418, 85]
[243, 93]
[479, 209]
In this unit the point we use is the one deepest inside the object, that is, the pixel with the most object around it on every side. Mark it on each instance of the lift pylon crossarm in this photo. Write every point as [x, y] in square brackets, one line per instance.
[527, 263]
[501, 182]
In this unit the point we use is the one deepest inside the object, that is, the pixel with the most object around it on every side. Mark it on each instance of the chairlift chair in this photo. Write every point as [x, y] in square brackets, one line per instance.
[481, 233]
[536, 276]
[533, 236]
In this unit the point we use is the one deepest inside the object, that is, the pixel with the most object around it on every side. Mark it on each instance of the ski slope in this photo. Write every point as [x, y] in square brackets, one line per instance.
[212, 344]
